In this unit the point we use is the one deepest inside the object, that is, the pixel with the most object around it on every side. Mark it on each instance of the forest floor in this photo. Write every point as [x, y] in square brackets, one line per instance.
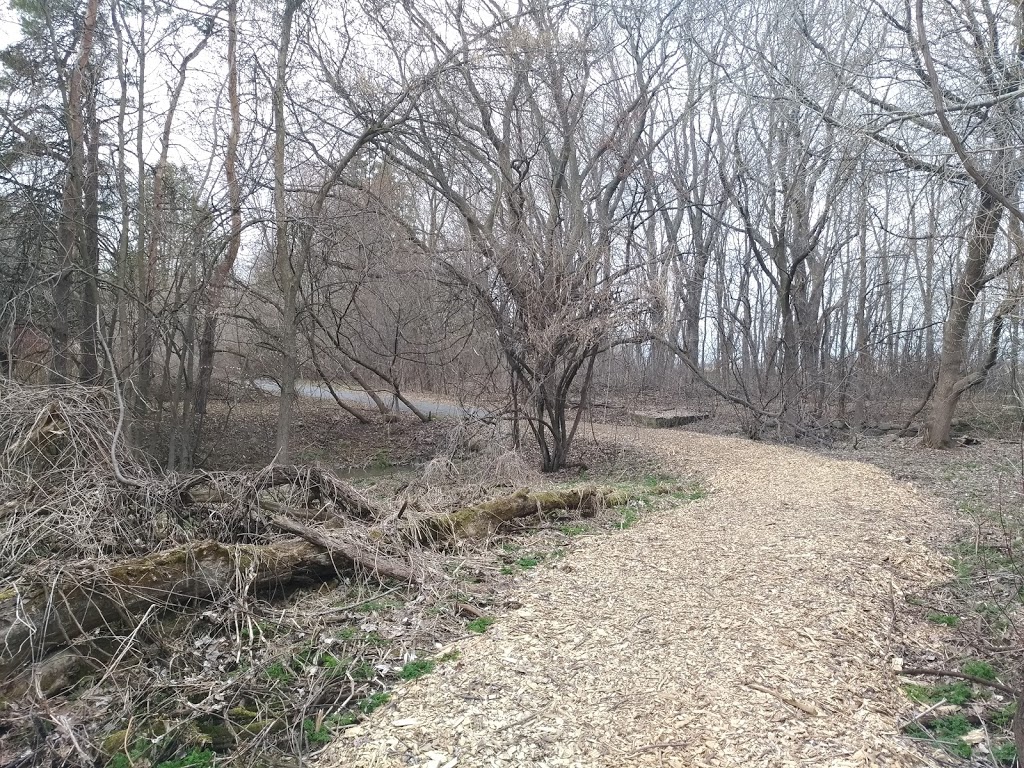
[748, 603]
[760, 621]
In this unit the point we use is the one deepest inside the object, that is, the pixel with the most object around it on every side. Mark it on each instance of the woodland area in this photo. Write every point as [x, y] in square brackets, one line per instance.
[809, 208]
[809, 211]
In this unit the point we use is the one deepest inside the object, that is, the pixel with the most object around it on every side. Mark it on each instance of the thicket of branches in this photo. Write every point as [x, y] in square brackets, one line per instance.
[807, 207]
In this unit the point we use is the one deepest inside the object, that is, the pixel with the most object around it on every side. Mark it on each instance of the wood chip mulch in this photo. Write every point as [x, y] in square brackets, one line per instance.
[757, 627]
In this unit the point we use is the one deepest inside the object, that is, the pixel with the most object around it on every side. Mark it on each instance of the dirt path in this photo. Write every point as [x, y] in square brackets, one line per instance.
[753, 628]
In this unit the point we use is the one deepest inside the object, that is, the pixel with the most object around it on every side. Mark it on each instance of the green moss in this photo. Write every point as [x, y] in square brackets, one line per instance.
[215, 735]
[945, 619]
[242, 715]
[115, 742]
[263, 726]
[278, 671]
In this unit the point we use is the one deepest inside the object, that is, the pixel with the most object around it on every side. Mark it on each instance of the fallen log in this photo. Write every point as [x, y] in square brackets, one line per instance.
[483, 519]
[38, 619]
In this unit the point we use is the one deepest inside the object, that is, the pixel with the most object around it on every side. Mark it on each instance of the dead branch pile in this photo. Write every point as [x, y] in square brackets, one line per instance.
[143, 615]
[99, 552]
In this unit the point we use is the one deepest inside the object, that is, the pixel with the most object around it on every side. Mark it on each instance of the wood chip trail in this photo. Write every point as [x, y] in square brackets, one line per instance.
[755, 627]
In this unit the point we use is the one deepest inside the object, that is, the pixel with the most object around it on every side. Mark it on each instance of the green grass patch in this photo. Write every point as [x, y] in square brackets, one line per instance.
[1005, 753]
[916, 731]
[201, 758]
[373, 606]
[480, 625]
[416, 669]
[957, 693]
[529, 562]
[319, 735]
[945, 619]
[374, 701]
[629, 518]
[316, 734]
[195, 758]
[575, 529]
[1003, 717]
[919, 693]
[980, 669]
[948, 730]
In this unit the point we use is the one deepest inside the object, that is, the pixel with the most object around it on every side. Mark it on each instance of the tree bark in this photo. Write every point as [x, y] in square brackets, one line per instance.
[287, 279]
[71, 205]
[39, 620]
[208, 337]
[89, 368]
[481, 520]
[953, 380]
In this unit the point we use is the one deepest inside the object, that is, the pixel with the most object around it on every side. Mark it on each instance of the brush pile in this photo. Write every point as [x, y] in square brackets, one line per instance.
[130, 595]
[153, 619]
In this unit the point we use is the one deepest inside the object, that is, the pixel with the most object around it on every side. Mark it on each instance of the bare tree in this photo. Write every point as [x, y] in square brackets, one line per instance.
[545, 138]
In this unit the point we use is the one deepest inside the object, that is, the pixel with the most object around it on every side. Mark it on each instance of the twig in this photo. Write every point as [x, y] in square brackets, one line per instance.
[923, 712]
[518, 723]
[660, 745]
[121, 477]
[809, 709]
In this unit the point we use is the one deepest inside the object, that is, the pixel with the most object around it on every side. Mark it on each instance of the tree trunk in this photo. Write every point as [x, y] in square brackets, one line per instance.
[481, 520]
[208, 337]
[148, 265]
[89, 368]
[952, 381]
[287, 280]
[71, 205]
